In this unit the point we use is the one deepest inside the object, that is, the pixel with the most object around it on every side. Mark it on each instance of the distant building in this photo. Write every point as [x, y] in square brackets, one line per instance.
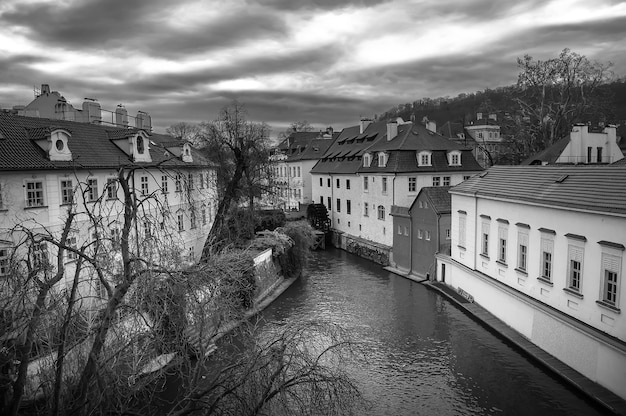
[421, 231]
[376, 165]
[543, 249]
[292, 161]
[582, 146]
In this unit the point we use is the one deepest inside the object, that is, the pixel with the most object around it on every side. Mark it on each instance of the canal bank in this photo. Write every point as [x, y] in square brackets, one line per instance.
[608, 400]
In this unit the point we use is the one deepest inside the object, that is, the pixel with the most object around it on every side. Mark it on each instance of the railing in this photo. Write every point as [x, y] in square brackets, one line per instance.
[576, 160]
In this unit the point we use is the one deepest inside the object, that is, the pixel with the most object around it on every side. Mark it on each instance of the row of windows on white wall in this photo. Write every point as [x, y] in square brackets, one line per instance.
[35, 195]
[610, 263]
[293, 171]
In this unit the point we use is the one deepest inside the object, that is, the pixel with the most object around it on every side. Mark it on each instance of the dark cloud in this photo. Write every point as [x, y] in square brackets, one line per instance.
[304, 5]
[139, 26]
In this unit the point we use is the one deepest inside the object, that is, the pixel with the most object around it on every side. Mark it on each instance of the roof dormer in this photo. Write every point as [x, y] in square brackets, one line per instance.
[424, 158]
[454, 158]
[187, 157]
[382, 159]
[58, 147]
[367, 160]
[140, 147]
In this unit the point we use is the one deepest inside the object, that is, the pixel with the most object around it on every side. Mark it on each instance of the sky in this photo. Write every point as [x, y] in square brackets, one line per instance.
[329, 62]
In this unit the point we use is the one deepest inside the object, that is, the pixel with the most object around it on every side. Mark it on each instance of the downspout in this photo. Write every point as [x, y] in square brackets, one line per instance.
[438, 231]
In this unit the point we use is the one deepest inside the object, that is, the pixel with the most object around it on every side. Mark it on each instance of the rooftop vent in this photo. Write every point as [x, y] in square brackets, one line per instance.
[561, 178]
[482, 175]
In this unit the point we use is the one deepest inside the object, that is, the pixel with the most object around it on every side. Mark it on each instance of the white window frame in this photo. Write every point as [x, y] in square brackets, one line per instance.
[165, 184]
[454, 158]
[611, 266]
[522, 250]
[384, 185]
[427, 235]
[412, 184]
[424, 158]
[420, 233]
[380, 212]
[366, 209]
[92, 189]
[503, 233]
[462, 229]
[382, 160]
[111, 188]
[5, 256]
[35, 196]
[546, 258]
[365, 184]
[367, 160]
[575, 255]
[436, 180]
[446, 181]
[67, 191]
[484, 238]
[144, 185]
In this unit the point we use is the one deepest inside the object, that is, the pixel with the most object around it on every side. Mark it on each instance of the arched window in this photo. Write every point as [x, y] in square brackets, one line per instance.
[367, 160]
[381, 212]
[140, 146]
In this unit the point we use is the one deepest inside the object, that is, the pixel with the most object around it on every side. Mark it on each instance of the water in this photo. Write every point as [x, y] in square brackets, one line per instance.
[424, 356]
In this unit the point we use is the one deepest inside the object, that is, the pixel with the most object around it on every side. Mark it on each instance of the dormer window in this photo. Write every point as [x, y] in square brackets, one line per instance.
[140, 145]
[367, 160]
[424, 159]
[382, 160]
[187, 157]
[58, 147]
[454, 158]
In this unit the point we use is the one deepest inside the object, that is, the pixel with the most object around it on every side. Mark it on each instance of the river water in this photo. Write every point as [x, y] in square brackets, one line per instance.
[424, 356]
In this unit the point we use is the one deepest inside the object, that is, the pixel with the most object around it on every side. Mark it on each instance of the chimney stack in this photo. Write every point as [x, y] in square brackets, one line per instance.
[431, 126]
[364, 123]
[392, 129]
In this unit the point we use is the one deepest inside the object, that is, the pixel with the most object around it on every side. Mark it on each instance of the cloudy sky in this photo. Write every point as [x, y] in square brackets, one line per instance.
[327, 61]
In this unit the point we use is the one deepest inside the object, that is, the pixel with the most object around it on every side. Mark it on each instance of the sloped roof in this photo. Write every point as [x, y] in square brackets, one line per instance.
[439, 198]
[451, 130]
[585, 187]
[91, 145]
[415, 137]
[550, 154]
[313, 150]
[297, 138]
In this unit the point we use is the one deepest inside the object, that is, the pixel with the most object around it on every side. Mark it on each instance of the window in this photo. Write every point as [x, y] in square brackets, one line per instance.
[502, 243]
[40, 254]
[420, 234]
[381, 213]
[522, 250]
[547, 250]
[144, 185]
[365, 188]
[575, 268]
[413, 184]
[321, 199]
[466, 177]
[4, 261]
[399, 230]
[427, 235]
[382, 160]
[164, 183]
[610, 276]
[178, 184]
[203, 214]
[347, 183]
[67, 192]
[190, 181]
[140, 146]
[455, 158]
[330, 205]
[201, 181]
[436, 181]
[485, 239]
[589, 149]
[406, 231]
[462, 222]
[328, 182]
[34, 194]
[181, 222]
[338, 205]
[71, 242]
[480, 134]
[367, 160]
[423, 159]
[92, 190]
[1, 200]
[321, 182]
[115, 237]
[348, 207]
[446, 181]
[447, 233]
[384, 185]
[111, 188]
[599, 155]
[338, 183]
[299, 171]
[192, 219]
[366, 209]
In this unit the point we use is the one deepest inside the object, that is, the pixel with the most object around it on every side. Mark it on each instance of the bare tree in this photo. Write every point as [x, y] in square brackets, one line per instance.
[296, 126]
[555, 93]
[185, 131]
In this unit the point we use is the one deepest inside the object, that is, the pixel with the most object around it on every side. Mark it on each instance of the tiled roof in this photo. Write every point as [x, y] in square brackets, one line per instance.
[313, 150]
[298, 138]
[596, 188]
[451, 129]
[549, 155]
[438, 197]
[621, 162]
[91, 145]
[344, 156]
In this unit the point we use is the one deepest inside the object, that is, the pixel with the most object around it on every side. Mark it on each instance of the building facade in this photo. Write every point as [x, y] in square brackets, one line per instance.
[376, 165]
[542, 249]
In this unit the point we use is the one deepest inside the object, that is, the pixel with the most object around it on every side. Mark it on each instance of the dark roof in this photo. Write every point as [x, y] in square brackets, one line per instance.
[91, 145]
[313, 150]
[596, 188]
[345, 155]
[438, 197]
[298, 138]
[451, 130]
[549, 155]
[621, 162]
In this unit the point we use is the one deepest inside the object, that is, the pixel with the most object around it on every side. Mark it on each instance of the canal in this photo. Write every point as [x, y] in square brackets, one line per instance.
[424, 356]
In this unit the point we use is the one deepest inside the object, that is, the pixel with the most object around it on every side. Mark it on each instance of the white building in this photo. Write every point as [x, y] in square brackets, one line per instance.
[49, 167]
[542, 249]
[376, 165]
[583, 145]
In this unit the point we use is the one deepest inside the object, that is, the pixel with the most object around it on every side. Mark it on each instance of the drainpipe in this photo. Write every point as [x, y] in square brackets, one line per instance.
[438, 245]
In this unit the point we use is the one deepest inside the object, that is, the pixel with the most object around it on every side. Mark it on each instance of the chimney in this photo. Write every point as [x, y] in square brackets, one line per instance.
[121, 116]
[329, 130]
[364, 123]
[431, 126]
[392, 129]
[45, 89]
[143, 121]
[493, 116]
[91, 111]
[479, 116]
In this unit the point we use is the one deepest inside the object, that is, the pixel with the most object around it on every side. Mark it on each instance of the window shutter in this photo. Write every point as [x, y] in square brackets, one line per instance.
[576, 253]
[523, 239]
[611, 263]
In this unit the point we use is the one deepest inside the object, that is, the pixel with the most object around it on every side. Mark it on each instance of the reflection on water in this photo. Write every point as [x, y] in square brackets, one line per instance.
[424, 356]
